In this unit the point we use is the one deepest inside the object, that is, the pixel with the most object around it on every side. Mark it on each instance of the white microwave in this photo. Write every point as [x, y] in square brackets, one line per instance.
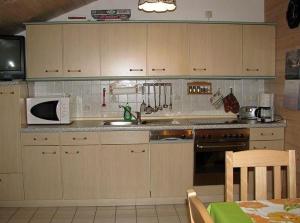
[48, 110]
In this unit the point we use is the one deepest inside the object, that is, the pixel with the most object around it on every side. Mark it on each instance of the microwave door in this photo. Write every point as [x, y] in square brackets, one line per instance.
[48, 110]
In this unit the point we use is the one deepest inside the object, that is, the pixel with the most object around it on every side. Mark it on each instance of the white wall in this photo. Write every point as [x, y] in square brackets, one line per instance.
[223, 10]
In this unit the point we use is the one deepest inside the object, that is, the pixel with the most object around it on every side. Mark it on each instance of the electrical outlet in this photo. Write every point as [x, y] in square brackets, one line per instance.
[208, 14]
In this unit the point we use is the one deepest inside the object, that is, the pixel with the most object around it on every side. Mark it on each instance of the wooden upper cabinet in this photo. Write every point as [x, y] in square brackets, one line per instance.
[81, 50]
[123, 49]
[167, 49]
[215, 49]
[259, 50]
[44, 51]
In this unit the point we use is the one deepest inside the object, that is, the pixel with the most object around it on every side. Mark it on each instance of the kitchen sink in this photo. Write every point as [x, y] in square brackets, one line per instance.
[120, 123]
[145, 122]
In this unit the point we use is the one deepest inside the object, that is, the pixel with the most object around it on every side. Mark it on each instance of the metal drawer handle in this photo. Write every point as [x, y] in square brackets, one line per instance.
[79, 70]
[12, 92]
[249, 69]
[135, 70]
[48, 153]
[35, 139]
[200, 69]
[51, 71]
[132, 151]
[265, 134]
[222, 146]
[158, 69]
[84, 138]
[72, 153]
[259, 148]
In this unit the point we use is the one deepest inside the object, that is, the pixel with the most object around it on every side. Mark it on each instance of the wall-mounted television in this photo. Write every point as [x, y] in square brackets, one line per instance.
[12, 57]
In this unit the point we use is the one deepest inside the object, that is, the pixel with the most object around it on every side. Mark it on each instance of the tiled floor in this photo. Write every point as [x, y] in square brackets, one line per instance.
[122, 214]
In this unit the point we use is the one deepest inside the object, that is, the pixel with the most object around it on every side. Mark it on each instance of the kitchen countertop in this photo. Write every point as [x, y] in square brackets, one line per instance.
[96, 125]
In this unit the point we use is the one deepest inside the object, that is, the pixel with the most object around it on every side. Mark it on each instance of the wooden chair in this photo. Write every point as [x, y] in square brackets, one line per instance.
[260, 160]
[198, 212]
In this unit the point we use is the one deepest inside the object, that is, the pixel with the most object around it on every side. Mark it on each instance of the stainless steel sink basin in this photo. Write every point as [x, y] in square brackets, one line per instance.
[120, 123]
[161, 122]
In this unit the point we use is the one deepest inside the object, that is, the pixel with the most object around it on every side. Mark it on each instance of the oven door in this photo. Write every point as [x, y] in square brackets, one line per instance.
[41, 111]
[209, 162]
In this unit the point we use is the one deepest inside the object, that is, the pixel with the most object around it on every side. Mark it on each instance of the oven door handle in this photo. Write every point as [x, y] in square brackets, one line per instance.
[221, 146]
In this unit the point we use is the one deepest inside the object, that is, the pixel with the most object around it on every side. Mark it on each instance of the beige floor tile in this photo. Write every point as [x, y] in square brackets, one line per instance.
[126, 212]
[146, 212]
[166, 210]
[40, 220]
[61, 220]
[19, 220]
[4, 212]
[168, 219]
[126, 207]
[149, 219]
[104, 220]
[83, 220]
[125, 219]
[45, 213]
[181, 209]
[184, 219]
[105, 213]
[25, 213]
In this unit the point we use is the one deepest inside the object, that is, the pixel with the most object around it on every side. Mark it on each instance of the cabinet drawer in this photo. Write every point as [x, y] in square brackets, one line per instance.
[36, 139]
[11, 187]
[266, 133]
[275, 144]
[124, 137]
[79, 138]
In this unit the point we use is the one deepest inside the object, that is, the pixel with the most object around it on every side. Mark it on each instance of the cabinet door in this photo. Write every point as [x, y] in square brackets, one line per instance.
[171, 169]
[167, 49]
[42, 172]
[215, 49]
[44, 51]
[273, 144]
[81, 50]
[11, 187]
[123, 49]
[259, 50]
[79, 172]
[124, 171]
[9, 132]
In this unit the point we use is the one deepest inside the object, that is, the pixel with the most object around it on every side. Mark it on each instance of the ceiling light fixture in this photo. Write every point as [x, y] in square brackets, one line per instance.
[157, 5]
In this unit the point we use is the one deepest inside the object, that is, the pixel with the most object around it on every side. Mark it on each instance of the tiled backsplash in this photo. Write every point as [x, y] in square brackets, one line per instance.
[86, 96]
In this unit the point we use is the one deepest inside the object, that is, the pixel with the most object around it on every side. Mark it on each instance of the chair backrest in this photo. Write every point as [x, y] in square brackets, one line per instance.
[198, 212]
[260, 160]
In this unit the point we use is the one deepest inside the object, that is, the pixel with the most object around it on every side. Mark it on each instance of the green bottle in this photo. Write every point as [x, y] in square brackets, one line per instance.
[127, 113]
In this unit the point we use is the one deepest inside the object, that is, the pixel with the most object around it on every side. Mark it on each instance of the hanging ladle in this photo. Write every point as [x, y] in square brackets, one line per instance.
[149, 109]
[165, 93]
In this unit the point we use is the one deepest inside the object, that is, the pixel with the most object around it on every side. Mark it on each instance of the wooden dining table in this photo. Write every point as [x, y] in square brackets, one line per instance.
[260, 211]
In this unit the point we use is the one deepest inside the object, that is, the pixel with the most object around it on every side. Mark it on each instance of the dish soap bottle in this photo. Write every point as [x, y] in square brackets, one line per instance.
[127, 113]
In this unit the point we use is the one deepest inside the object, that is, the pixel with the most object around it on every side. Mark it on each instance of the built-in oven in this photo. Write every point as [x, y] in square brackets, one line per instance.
[210, 146]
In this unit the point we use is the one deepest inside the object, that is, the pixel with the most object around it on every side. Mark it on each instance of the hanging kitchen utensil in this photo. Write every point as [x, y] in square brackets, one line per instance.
[171, 95]
[159, 95]
[143, 105]
[155, 109]
[231, 103]
[149, 109]
[165, 94]
[103, 97]
[217, 99]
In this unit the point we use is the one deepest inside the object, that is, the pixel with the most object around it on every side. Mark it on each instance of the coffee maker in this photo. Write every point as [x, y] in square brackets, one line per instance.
[265, 110]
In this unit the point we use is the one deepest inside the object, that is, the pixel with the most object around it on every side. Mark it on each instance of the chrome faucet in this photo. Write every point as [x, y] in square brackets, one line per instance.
[137, 117]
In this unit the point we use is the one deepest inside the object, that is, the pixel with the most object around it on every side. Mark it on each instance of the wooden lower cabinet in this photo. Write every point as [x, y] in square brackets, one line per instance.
[171, 168]
[269, 144]
[42, 173]
[123, 171]
[79, 167]
[11, 187]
